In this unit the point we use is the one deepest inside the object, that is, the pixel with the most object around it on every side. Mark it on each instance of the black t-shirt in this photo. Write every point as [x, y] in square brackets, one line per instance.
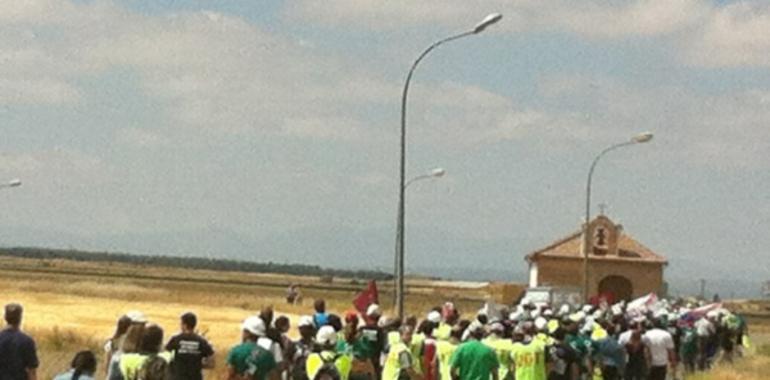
[189, 350]
[17, 354]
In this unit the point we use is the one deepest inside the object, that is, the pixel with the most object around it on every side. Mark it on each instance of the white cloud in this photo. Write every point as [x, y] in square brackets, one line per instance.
[142, 138]
[37, 91]
[733, 36]
[596, 19]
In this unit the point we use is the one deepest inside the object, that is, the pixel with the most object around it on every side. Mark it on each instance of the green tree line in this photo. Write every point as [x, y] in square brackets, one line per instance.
[194, 263]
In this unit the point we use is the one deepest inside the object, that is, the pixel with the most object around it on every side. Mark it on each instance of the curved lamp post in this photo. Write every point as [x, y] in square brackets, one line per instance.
[435, 173]
[12, 183]
[638, 139]
[480, 27]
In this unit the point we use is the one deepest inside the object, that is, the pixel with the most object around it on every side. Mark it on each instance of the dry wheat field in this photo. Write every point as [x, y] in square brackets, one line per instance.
[68, 312]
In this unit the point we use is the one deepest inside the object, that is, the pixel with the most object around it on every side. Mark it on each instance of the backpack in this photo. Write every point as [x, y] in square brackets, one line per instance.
[302, 351]
[153, 368]
[328, 370]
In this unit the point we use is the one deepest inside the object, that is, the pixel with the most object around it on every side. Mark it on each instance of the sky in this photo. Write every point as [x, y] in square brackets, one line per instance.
[269, 130]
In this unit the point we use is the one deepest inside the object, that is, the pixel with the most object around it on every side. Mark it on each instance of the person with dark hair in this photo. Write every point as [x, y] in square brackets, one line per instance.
[83, 367]
[373, 338]
[282, 327]
[113, 346]
[18, 354]
[302, 348]
[473, 360]
[661, 347]
[563, 358]
[399, 362]
[428, 357]
[191, 352]
[320, 318]
[149, 358]
[335, 322]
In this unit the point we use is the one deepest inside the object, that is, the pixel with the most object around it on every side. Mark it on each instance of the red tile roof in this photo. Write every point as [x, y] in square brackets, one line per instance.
[628, 250]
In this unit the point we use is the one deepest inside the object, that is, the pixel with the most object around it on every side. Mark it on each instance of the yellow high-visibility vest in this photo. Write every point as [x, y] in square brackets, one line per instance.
[392, 368]
[444, 351]
[315, 361]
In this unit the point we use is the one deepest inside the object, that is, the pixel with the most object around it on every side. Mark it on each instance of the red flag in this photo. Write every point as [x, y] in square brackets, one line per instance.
[367, 297]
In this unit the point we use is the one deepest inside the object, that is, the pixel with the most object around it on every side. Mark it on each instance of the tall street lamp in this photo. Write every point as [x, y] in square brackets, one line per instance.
[638, 139]
[11, 183]
[480, 27]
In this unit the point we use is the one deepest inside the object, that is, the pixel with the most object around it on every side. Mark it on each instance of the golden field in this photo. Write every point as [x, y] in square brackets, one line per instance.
[70, 306]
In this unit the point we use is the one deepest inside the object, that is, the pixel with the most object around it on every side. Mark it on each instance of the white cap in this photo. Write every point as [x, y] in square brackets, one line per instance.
[136, 316]
[306, 320]
[547, 313]
[540, 323]
[434, 317]
[254, 325]
[587, 308]
[326, 336]
[577, 317]
[526, 301]
[564, 309]
[373, 310]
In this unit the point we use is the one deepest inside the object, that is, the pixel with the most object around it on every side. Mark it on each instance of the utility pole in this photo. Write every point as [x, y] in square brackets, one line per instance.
[703, 288]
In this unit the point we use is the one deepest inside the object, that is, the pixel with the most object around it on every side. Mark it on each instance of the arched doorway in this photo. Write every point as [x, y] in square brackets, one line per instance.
[619, 286]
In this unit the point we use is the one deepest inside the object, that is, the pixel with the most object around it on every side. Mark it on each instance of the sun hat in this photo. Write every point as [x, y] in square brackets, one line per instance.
[326, 336]
[373, 310]
[136, 316]
[434, 317]
[254, 325]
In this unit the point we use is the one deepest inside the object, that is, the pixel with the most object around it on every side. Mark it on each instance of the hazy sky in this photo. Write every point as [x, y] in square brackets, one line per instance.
[268, 130]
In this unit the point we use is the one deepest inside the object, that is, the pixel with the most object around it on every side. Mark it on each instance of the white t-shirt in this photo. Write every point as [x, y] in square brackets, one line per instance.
[271, 346]
[659, 342]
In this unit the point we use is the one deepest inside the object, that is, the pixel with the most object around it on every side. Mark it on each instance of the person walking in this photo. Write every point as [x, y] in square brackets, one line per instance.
[250, 359]
[473, 360]
[661, 346]
[18, 354]
[113, 346]
[302, 348]
[191, 352]
[399, 363]
[528, 355]
[373, 338]
[149, 361]
[83, 367]
[327, 363]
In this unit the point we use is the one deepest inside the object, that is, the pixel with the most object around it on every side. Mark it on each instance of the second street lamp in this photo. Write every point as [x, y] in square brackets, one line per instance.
[478, 28]
[11, 183]
[435, 173]
[638, 139]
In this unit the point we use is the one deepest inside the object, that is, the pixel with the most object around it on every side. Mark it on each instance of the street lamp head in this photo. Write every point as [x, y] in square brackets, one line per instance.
[642, 137]
[14, 183]
[487, 21]
[437, 172]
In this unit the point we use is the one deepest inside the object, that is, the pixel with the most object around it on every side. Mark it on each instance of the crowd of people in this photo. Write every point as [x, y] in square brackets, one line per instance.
[528, 341]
